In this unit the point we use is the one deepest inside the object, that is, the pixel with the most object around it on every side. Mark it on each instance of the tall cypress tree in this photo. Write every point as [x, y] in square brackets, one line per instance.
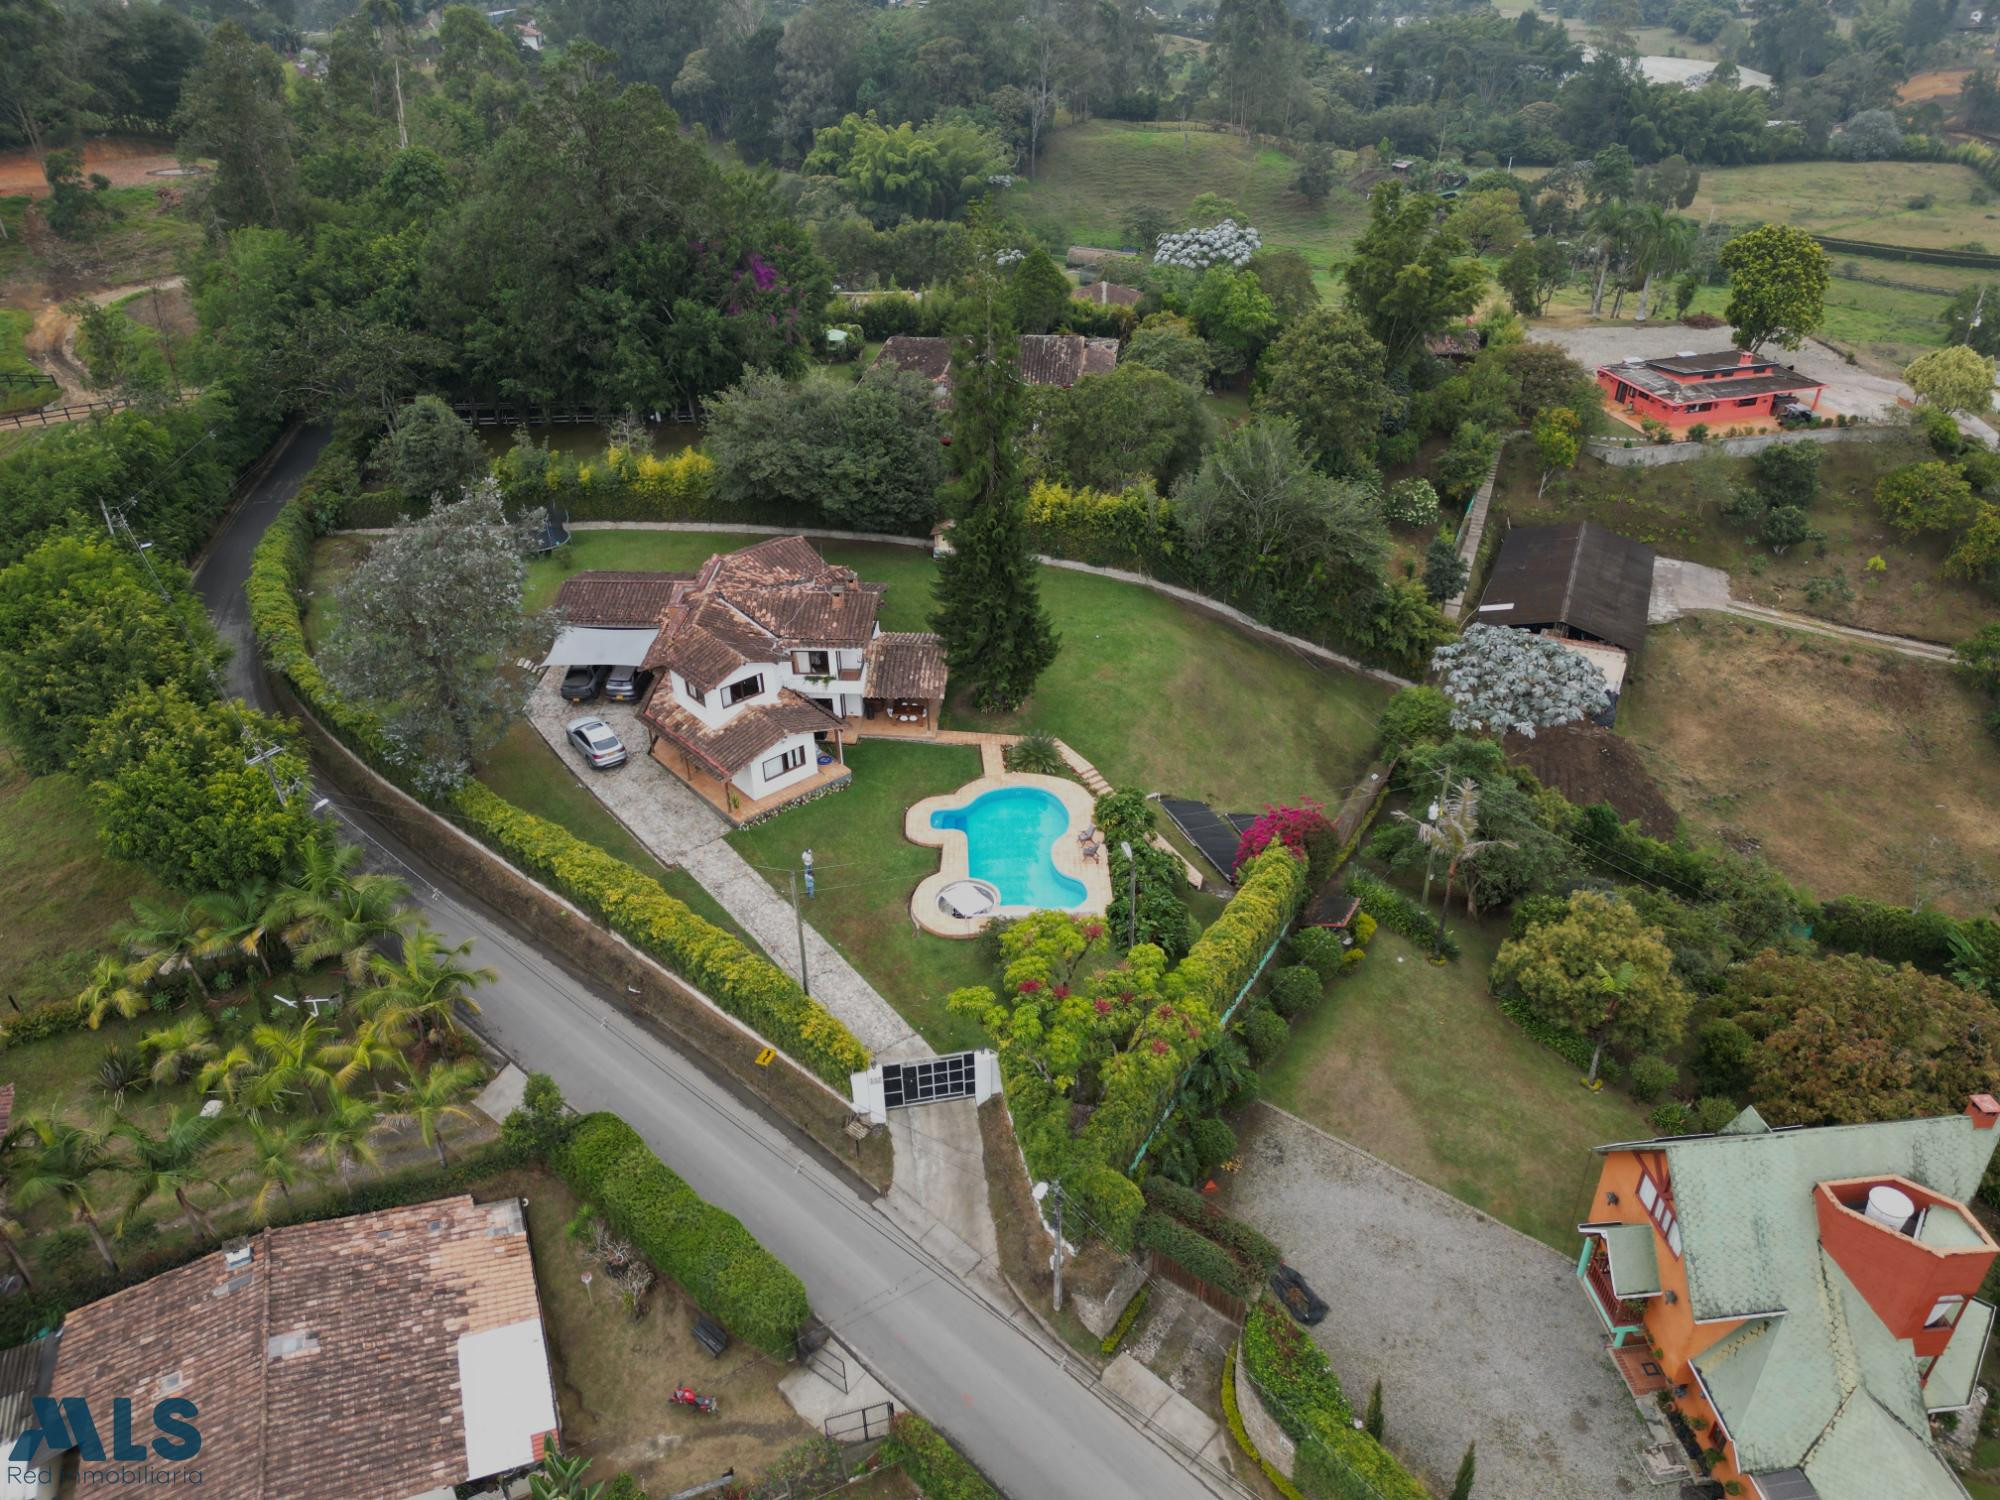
[997, 639]
[1461, 1487]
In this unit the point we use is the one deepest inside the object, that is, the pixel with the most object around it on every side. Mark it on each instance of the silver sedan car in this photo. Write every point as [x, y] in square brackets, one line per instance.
[599, 745]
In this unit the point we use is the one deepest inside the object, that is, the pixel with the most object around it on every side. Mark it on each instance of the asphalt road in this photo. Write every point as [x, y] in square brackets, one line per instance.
[925, 1335]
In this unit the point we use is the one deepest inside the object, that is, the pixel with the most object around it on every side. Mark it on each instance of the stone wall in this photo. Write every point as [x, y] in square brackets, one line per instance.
[1269, 1439]
[1644, 455]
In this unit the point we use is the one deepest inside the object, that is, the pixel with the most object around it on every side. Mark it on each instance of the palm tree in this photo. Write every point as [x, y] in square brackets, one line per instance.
[1453, 828]
[423, 986]
[236, 921]
[292, 1063]
[428, 1099]
[328, 912]
[374, 1046]
[10, 1240]
[1611, 238]
[110, 988]
[1663, 244]
[341, 1135]
[180, 1048]
[225, 1074]
[165, 940]
[173, 1161]
[275, 1160]
[60, 1161]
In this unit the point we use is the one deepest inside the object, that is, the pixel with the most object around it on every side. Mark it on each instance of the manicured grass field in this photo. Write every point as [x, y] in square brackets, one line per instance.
[1416, 1064]
[864, 871]
[1677, 508]
[1857, 200]
[1152, 693]
[63, 897]
[1855, 772]
[1091, 174]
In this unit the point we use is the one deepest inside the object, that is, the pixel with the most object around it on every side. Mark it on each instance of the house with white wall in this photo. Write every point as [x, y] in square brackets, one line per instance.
[765, 661]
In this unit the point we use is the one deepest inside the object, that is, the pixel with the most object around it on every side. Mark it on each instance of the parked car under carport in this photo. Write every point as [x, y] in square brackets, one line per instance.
[603, 660]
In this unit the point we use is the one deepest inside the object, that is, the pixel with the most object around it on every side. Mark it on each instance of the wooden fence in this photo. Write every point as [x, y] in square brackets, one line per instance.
[55, 416]
[1228, 1304]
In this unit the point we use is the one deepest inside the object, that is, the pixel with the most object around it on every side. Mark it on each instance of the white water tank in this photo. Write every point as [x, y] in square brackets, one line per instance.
[1890, 1207]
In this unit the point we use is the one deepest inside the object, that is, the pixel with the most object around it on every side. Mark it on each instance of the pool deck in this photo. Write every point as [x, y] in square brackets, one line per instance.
[954, 863]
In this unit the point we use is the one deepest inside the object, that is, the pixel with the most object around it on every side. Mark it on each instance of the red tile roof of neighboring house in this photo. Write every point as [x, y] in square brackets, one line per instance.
[615, 599]
[728, 748]
[930, 358]
[6, 1107]
[1059, 359]
[329, 1367]
[906, 664]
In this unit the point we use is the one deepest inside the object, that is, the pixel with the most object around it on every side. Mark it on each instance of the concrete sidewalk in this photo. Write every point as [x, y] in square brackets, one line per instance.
[681, 829]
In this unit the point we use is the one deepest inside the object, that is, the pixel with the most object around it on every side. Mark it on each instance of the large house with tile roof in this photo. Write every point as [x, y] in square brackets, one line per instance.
[385, 1356]
[1805, 1296]
[763, 662]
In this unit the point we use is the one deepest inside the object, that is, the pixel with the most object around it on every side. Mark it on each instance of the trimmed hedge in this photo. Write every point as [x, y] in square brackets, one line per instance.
[1397, 912]
[1196, 1211]
[743, 983]
[1135, 1305]
[1336, 1461]
[1897, 935]
[926, 1455]
[1132, 528]
[1232, 1413]
[615, 485]
[1196, 1254]
[748, 986]
[1572, 1047]
[56, 1018]
[708, 1252]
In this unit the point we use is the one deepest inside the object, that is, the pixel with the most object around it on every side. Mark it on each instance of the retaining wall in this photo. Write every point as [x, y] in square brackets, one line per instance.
[1644, 455]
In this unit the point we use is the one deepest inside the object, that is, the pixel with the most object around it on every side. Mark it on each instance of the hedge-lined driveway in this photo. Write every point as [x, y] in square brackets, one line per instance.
[1477, 1333]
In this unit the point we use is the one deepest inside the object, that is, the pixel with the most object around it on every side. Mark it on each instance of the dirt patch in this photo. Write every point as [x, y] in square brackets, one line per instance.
[1588, 763]
[614, 1372]
[129, 161]
[1938, 83]
[164, 309]
[1855, 772]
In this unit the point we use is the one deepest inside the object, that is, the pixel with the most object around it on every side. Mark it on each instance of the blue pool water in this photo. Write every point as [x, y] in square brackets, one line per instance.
[1009, 833]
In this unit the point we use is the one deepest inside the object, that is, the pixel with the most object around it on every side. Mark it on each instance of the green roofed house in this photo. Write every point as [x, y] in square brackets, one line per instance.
[1805, 1296]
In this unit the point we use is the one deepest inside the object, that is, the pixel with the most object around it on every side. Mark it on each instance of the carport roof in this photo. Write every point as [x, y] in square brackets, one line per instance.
[599, 646]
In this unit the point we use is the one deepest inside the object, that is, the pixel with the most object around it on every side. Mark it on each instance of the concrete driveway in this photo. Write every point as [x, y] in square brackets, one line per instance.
[1477, 1333]
[1849, 389]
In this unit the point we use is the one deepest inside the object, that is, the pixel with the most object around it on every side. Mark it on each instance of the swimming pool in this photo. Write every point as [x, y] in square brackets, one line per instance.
[1009, 833]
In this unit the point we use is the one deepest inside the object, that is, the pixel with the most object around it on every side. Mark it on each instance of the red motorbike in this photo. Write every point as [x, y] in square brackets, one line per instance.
[683, 1396]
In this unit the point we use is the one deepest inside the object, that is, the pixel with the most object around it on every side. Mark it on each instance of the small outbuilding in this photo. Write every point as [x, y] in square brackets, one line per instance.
[1579, 582]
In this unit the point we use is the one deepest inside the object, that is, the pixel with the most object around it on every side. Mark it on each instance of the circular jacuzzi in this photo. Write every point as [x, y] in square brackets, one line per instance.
[968, 898]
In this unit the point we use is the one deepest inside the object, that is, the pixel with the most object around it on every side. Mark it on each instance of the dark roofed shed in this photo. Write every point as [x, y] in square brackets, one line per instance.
[1578, 576]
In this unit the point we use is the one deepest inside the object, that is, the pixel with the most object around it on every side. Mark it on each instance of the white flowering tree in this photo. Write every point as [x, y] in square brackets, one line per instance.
[1499, 679]
[1224, 244]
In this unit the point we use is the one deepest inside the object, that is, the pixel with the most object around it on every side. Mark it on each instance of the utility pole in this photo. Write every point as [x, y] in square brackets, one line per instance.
[1055, 1191]
[805, 983]
[1131, 900]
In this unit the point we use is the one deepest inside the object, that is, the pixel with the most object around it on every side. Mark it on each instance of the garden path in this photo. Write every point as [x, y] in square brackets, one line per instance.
[680, 829]
[1683, 587]
[1477, 1333]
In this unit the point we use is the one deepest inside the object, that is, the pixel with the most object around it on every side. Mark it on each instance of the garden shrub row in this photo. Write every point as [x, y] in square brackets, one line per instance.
[1898, 935]
[706, 1251]
[1572, 1047]
[743, 983]
[1129, 528]
[1197, 1254]
[1127, 1319]
[926, 1455]
[56, 1018]
[1198, 1213]
[619, 485]
[1397, 912]
[1232, 1413]
[1336, 1460]
[747, 985]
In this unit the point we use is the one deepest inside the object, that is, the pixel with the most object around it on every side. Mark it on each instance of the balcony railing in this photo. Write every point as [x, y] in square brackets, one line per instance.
[1617, 1312]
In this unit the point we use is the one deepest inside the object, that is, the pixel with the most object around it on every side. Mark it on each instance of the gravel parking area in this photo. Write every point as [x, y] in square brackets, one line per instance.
[1477, 1333]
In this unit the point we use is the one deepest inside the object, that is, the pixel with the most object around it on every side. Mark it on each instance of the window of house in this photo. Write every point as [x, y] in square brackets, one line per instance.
[736, 692]
[791, 760]
[1746, 401]
[1944, 1312]
[818, 664]
[1655, 1203]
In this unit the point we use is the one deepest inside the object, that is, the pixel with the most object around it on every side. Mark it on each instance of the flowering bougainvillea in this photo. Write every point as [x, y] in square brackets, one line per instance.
[1303, 829]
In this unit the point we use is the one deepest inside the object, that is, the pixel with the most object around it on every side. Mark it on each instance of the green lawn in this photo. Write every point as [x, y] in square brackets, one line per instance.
[63, 897]
[1677, 508]
[14, 326]
[1415, 1063]
[1152, 693]
[865, 871]
[1857, 201]
[1091, 174]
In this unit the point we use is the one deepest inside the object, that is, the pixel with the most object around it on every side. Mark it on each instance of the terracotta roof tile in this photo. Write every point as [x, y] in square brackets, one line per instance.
[325, 1369]
[727, 749]
[906, 664]
[614, 599]
[930, 358]
[1108, 294]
